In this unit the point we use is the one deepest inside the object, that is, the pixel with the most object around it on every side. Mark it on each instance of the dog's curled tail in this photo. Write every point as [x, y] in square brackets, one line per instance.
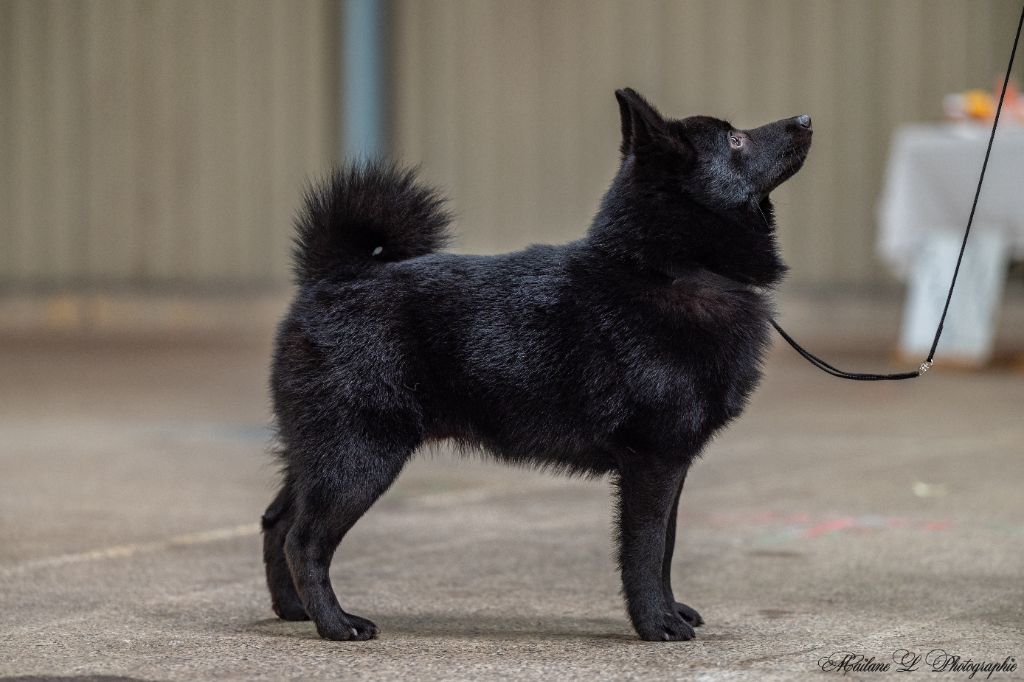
[365, 214]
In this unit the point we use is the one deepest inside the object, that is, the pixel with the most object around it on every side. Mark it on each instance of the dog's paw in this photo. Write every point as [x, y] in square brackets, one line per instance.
[351, 628]
[363, 625]
[291, 610]
[669, 627]
[689, 614]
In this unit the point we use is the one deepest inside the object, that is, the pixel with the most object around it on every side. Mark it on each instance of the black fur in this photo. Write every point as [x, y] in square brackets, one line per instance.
[621, 353]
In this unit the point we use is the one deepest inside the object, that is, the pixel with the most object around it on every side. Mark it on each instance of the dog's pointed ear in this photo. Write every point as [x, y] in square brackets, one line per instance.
[626, 116]
[642, 125]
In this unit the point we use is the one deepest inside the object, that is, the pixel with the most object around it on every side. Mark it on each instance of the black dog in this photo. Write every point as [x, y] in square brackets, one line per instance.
[621, 353]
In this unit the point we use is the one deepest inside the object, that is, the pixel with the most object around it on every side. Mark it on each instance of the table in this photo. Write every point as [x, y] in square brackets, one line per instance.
[930, 180]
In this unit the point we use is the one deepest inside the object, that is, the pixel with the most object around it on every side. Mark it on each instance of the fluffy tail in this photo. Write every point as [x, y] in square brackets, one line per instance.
[365, 214]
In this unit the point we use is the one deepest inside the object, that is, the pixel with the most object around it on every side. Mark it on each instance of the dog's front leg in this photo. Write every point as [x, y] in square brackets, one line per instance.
[688, 613]
[647, 495]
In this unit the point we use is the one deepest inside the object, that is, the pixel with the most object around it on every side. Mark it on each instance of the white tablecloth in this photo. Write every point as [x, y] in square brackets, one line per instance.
[933, 170]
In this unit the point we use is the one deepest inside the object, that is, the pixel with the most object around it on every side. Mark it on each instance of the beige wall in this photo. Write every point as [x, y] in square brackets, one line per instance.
[165, 143]
[159, 142]
[510, 104]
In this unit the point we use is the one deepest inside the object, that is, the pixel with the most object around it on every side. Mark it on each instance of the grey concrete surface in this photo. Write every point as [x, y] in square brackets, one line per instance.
[833, 517]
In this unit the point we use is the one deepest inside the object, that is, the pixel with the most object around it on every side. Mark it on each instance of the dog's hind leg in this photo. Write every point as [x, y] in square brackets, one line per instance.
[688, 613]
[328, 502]
[276, 521]
[647, 492]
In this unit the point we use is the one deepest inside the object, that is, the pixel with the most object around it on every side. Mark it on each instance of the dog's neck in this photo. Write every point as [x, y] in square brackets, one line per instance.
[701, 277]
[736, 244]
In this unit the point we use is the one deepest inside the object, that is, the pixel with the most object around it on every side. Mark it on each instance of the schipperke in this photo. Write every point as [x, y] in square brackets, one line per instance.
[620, 353]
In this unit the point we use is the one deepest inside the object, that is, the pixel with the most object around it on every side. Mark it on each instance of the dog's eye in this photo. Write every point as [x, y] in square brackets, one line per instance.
[735, 141]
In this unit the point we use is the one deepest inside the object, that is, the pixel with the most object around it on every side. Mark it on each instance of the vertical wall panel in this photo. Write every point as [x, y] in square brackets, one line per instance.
[407, 26]
[159, 143]
[286, 137]
[28, 155]
[813, 60]
[251, 128]
[593, 111]
[475, 118]
[441, 76]
[559, 93]
[109, 107]
[169, 140]
[535, 124]
[6, 141]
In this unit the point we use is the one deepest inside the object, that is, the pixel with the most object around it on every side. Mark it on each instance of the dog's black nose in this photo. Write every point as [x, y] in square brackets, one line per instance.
[804, 120]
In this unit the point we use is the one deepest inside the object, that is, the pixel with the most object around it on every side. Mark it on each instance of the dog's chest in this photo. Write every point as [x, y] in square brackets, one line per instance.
[703, 349]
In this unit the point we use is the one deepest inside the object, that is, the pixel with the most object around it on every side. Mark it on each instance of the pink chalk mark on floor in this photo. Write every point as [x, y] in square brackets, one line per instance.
[831, 526]
[776, 527]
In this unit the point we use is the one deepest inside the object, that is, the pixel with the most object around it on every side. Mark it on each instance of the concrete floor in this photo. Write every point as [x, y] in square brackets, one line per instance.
[833, 517]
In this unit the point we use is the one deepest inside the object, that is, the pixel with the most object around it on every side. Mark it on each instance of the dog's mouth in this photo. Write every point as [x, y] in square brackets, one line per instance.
[793, 158]
[788, 163]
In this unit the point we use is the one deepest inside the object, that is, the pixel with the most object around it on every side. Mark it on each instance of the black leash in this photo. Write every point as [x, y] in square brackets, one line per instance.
[926, 365]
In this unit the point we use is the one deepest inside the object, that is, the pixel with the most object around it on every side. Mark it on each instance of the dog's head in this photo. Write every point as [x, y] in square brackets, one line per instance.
[695, 191]
[713, 162]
